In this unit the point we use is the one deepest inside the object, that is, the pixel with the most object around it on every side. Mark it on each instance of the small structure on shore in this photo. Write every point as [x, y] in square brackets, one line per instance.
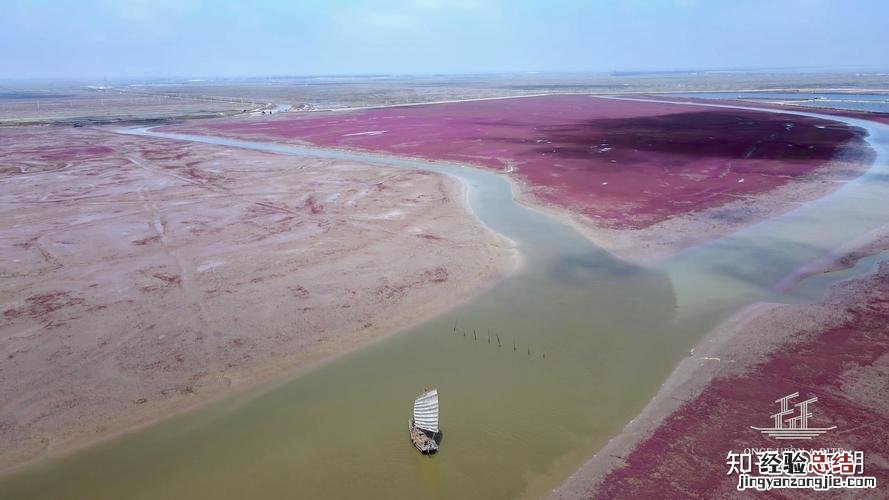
[424, 424]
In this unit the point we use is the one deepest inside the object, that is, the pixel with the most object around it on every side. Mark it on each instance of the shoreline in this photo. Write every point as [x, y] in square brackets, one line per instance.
[687, 380]
[646, 246]
[690, 376]
[261, 385]
[745, 347]
[244, 386]
[501, 259]
[732, 346]
[736, 346]
[665, 239]
[729, 348]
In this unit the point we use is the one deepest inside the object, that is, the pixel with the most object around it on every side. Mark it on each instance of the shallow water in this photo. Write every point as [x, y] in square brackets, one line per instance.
[515, 423]
[756, 257]
[878, 102]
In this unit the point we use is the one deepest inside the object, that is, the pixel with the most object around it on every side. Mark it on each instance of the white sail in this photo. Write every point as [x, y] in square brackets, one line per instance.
[426, 411]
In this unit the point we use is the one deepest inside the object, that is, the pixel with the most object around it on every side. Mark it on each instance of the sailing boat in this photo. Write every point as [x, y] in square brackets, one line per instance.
[424, 425]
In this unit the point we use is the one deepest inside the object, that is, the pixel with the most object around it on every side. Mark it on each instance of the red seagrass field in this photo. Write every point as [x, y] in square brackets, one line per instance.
[625, 164]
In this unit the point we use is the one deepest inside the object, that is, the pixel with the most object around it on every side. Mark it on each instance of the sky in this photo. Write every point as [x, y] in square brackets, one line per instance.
[227, 38]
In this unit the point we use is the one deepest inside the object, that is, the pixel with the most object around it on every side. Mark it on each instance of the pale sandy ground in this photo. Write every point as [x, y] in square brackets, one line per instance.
[667, 238]
[738, 343]
[164, 275]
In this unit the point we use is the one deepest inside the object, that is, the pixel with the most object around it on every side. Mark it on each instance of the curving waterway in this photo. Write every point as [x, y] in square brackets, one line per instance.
[515, 423]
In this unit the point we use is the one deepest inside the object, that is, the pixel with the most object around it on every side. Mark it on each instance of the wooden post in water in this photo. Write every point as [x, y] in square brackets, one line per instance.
[498, 340]
[475, 335]
[489, 335]
[455, 326]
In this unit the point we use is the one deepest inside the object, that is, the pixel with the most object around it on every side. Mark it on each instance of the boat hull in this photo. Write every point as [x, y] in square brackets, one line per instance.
[422, 441]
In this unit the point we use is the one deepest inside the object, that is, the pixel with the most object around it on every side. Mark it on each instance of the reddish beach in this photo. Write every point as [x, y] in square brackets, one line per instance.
[621, 164]
[837, 351]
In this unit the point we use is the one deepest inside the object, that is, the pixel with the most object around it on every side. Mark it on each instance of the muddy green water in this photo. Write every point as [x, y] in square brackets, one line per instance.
[514, 424]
